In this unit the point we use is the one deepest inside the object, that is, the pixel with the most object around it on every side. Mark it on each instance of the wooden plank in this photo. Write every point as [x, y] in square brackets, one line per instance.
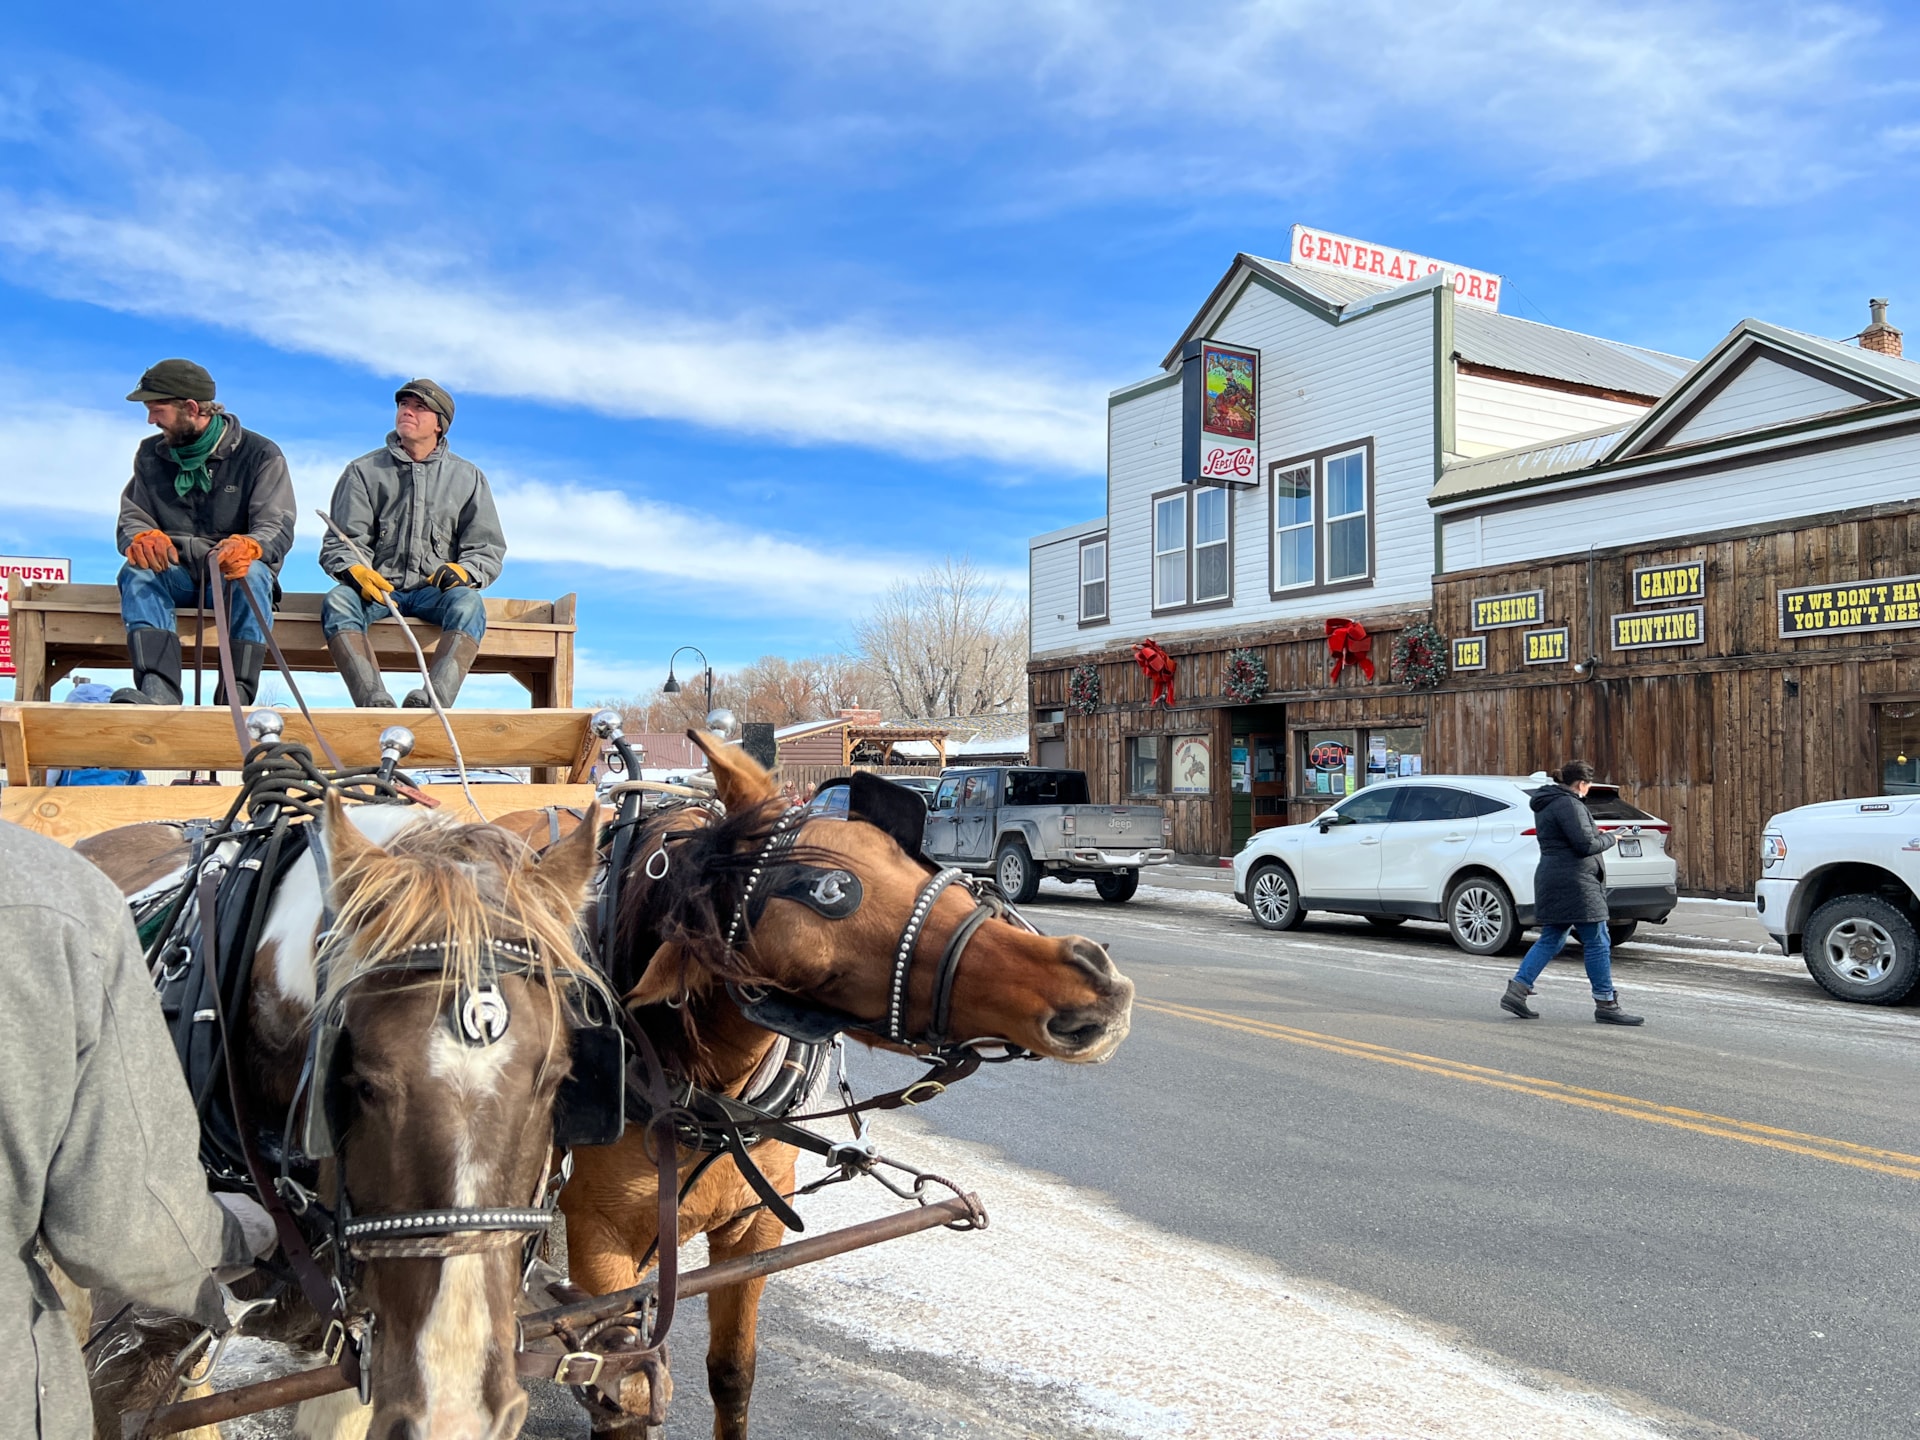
[70, 813]
[169, 737]
[13, 744]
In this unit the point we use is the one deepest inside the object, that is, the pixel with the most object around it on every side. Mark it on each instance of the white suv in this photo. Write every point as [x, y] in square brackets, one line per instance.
[1455, 848]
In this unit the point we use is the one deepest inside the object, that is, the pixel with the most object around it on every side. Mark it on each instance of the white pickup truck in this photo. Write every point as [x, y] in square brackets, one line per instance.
[1840, 884]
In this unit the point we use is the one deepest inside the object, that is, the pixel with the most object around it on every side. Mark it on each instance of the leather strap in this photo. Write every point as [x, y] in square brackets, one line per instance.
[219, 594]
[273, 647]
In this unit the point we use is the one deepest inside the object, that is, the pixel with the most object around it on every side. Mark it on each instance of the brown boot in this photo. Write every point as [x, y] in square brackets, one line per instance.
[452, 658]
[352, 655]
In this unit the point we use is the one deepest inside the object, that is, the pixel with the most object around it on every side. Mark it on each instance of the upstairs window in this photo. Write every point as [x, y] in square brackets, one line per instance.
[1347, 547]
[1170, 551]
[1322, 521]
[1293, 545]
[1093, 580]
[1212, 576]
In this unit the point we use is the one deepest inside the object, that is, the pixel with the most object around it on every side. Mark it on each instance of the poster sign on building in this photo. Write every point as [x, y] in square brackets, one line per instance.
[1852, 605]
[1220, 413]
[1499, 612]
[1546, 647]
[1192, 765]
[1651, 629]
[1343, 255]
[1663, 584]
[1470, 652]
[26, 567]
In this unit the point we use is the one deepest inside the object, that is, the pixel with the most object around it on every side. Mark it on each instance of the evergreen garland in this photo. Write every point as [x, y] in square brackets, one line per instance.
[1246, 676]
[1083, 689]
[1420, 656]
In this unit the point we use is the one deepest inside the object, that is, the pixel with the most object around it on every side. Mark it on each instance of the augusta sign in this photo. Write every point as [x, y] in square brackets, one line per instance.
[25, 567]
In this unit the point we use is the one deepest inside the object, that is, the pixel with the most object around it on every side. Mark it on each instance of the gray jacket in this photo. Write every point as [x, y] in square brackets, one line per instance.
[100, 1140]
[1568, 885]
[413, 517]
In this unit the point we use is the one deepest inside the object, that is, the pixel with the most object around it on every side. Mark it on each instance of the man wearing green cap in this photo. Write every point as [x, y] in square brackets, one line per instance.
[425, 519]
[205, 495]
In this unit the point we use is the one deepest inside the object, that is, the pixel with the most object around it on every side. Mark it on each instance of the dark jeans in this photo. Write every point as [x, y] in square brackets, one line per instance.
[1596, 948]
[150, 598]
[460, 608]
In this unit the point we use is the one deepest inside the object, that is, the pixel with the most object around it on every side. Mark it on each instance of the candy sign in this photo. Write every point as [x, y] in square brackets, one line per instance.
[1343, 255]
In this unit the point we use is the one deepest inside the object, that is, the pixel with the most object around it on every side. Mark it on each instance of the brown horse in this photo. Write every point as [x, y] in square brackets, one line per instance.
[1055, 996]
[437, 1106]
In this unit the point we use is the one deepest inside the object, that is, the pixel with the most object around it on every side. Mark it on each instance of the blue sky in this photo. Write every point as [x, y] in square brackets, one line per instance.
[752, 310]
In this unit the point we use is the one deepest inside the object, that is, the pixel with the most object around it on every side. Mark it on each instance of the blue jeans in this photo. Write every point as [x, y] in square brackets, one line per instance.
[149, 598]
[458, 609]
[1595, 948]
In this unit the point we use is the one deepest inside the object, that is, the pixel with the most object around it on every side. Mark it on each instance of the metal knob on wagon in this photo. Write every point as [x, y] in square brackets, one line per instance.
[265, 725]
[396, 743]
[722, 724]
[605, 724]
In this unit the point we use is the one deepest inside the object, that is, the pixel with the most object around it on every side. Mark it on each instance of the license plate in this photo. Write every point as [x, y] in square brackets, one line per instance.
[1630, 849]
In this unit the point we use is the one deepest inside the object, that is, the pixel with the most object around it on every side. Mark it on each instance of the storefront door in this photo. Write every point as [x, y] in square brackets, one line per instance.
[1259, 775]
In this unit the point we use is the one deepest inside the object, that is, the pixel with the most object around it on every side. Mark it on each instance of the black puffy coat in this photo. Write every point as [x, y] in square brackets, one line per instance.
[1567, 886]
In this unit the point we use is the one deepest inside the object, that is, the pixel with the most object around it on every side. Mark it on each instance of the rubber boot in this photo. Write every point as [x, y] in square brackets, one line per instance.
[248, 657]
[352, 655]
[452, 658]
[156, 668]
[1608, 1012]
[1514, 1002]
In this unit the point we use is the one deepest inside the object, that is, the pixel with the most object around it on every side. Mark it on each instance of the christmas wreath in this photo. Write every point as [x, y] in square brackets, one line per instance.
[1246, 676]
[1083, 689]
[1420, 656]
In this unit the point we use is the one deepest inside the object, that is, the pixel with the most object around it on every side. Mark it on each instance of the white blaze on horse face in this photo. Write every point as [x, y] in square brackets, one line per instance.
[294, 916]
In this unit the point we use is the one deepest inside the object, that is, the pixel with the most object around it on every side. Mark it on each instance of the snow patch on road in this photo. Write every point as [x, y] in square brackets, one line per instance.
[1157, 1337]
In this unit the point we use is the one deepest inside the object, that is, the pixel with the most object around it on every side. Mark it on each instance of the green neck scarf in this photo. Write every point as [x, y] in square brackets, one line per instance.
[192, 459]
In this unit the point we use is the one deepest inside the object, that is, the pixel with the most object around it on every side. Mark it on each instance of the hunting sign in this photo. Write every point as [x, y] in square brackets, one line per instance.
[1650, 629]
[1497, 612]
[1657, 584]
[1546, 647]
[1470, 652]
[1856, 605]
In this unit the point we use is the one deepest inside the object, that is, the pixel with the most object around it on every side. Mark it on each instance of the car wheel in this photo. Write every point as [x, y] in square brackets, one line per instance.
[1272, 898]
[1386, 922]
[1863, 949]
[1117, 886]
[1621, 931]
[1015, 872]
[1480, 916]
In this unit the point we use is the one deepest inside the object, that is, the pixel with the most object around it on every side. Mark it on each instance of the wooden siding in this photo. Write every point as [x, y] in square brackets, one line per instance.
[1492, 414]
[1764, 393]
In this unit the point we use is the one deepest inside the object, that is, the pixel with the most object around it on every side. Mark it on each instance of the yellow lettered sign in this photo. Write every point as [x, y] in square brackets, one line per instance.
[1497, 612]
[1470, 653]
[1856, 605]
[1650, 629]
[1546, 647]
[1660, 584]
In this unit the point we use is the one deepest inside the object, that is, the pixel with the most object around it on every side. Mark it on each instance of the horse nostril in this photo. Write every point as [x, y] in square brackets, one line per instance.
[1073, 1031]
[1091, 956]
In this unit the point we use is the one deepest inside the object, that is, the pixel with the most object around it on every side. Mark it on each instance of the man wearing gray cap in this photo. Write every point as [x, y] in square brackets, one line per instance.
[205, 495]
[425, 518]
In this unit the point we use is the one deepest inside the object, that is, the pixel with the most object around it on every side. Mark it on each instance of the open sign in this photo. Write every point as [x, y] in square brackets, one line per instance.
[1328, 755]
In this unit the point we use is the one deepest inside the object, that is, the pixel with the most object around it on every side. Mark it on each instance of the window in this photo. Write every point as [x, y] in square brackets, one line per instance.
[1339, 762]
[1170, 551]
[1046, 787]
[1368, 809]
[1472, 807]
[1093, 580]
[1212, 577]
[1143, 765]
[944, 797]
[1392, 753]
[1347, 517]
[1293, 527]
[1428, 802]
[978, 794]
[1899, 737]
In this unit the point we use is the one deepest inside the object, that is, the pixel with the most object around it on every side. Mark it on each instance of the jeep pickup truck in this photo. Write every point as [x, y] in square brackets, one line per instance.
[1017, 823]
[1840, 884]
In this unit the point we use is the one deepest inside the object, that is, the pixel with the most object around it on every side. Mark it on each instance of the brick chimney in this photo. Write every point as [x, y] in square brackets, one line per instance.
[1879, 335]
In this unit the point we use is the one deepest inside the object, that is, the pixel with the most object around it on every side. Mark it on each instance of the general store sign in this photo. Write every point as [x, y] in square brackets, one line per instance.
[1497, 612]
[1651, 629]
[1343, 255]
[1220, 413]
[27, 567]
[1852, 606]
[1657, 584]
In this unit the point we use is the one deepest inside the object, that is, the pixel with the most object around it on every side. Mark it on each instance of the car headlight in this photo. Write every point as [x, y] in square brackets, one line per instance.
[1773, 850]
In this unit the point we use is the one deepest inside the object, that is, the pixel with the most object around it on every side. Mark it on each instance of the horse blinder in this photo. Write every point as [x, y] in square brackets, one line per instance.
[894, 808]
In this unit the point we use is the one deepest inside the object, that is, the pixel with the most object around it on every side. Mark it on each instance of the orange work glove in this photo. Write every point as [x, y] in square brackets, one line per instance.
[234, 554]
[450, 575]
[374, 587]
[152, 550]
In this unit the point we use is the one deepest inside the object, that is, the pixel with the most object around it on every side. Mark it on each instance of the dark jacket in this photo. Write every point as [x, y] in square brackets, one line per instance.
[413, 517]
[252, 495]
[1567, 886]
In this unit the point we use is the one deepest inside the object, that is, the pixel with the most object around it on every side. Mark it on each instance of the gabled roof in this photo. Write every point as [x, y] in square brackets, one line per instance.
[1526, 463]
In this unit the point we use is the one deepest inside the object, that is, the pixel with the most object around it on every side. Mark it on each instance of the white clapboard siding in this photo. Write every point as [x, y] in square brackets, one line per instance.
[1491, 414]
[1053, 599]
[1764, 393]
[1869, 473]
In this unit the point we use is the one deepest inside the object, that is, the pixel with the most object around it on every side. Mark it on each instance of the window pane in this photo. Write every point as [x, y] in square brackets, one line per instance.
[1093, 601]
[1143, 765]
[1329, 762]
[1393, 753]
[1170, 578]
[1472, 806]
[1209, 517]
[1426, 802]
[1293, 497]
[1347, 485]
[1294, 562]
[1210, 572]
[1093, 563]
[1347, 548]
[1369, 808]
[1170, 524]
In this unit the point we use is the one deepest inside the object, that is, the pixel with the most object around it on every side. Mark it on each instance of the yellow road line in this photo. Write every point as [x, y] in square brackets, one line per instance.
[1749, 1132]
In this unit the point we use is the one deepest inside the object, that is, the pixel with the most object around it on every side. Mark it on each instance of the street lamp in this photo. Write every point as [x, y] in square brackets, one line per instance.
[720, 723]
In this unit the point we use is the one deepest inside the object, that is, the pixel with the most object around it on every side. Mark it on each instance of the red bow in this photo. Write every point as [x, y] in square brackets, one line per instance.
[1157, 665]
[1348, 640]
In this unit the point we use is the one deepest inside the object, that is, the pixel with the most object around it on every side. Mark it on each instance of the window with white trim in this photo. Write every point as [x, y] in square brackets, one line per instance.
[1093, 580]
[1347, 516]
[1293, 545]
[1212, 572]
[1170, 551]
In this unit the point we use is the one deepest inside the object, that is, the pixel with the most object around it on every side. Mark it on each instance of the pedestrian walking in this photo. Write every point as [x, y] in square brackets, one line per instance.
[1569, 895]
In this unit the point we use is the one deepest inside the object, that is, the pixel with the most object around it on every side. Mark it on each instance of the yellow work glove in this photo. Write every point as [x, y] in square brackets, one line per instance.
[451, 575]
[375, 588]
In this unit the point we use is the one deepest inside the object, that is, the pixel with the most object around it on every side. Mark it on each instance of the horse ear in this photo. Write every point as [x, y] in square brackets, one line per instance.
[661, 980]
[348, 851]
[736, 775]
[567, 868]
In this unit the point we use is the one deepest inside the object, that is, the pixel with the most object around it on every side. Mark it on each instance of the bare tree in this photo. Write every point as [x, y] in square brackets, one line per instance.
[947, 643]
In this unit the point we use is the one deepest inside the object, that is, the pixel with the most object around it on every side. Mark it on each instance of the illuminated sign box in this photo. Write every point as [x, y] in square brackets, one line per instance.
[1470, 653]
[1498, 612]
[1546, 647]
[1651, 629]
[1852, 606]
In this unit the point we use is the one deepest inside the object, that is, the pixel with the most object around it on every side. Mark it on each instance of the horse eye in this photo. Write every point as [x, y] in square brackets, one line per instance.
[363, 1089]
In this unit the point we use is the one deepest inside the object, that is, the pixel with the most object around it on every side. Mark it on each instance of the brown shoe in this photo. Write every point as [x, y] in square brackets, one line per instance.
[352, 655]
